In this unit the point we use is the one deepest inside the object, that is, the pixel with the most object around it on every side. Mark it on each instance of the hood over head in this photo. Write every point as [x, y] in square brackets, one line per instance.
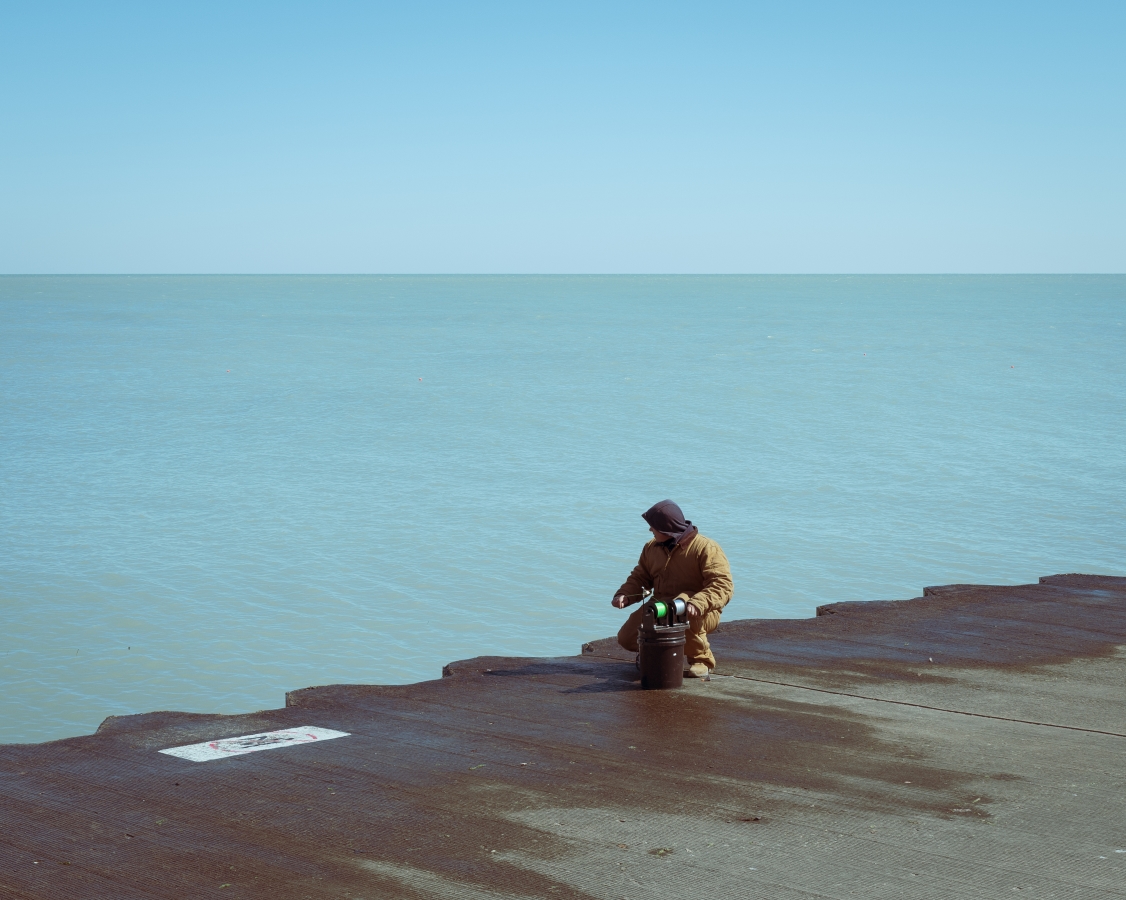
[667, 518]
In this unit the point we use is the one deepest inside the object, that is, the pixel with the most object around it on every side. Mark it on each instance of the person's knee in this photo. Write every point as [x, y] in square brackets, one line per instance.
[627, 634]
[627, 637]
[710, 621]
[704, 624]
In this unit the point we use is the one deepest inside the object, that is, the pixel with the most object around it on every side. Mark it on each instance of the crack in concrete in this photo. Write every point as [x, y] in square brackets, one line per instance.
[959, 712]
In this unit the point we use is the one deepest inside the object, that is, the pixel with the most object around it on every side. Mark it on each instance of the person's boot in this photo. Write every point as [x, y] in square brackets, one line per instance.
[699, 670]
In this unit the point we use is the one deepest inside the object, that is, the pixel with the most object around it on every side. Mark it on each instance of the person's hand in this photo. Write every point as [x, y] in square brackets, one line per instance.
[619, 602]
[693, 610]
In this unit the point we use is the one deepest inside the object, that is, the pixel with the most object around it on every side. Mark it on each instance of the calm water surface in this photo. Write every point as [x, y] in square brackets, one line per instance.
[213, 490]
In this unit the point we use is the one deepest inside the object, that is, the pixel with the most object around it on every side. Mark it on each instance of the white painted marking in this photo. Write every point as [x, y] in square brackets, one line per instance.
[251, 743]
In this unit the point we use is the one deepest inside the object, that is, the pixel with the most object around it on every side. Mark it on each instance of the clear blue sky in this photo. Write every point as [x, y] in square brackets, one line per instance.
[563, 137]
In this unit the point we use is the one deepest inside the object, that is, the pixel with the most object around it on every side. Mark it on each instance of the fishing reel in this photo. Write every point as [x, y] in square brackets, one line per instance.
[665, 613]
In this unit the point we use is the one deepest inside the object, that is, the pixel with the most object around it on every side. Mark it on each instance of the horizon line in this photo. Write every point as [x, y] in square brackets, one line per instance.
[556, 274]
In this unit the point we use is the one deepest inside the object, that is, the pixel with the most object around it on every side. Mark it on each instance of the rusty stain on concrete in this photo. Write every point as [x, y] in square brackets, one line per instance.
[870, 751]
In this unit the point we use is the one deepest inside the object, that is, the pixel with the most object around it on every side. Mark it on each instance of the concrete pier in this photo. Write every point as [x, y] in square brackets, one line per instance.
[967, 743]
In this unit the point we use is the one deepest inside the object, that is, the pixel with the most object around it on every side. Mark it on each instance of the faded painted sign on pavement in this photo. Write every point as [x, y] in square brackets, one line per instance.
[250, 743]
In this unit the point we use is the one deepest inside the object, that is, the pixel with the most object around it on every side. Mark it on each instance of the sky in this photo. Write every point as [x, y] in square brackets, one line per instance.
[562, 137]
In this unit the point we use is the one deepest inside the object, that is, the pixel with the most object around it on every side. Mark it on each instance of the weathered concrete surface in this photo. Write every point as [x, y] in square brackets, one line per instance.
[970, 743]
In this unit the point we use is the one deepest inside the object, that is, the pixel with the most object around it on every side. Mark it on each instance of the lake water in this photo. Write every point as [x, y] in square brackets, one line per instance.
[216, 489]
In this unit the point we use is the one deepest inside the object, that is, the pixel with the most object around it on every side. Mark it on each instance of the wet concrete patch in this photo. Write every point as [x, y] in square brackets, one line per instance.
[521, 778]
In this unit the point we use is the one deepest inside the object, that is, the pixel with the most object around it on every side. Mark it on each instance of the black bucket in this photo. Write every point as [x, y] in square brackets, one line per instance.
[661, 659]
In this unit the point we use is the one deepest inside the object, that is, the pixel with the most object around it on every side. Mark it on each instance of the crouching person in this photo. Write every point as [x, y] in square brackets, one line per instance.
[678, 562]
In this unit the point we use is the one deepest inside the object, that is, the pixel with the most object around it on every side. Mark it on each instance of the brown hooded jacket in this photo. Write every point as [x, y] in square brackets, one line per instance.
[690, 566]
